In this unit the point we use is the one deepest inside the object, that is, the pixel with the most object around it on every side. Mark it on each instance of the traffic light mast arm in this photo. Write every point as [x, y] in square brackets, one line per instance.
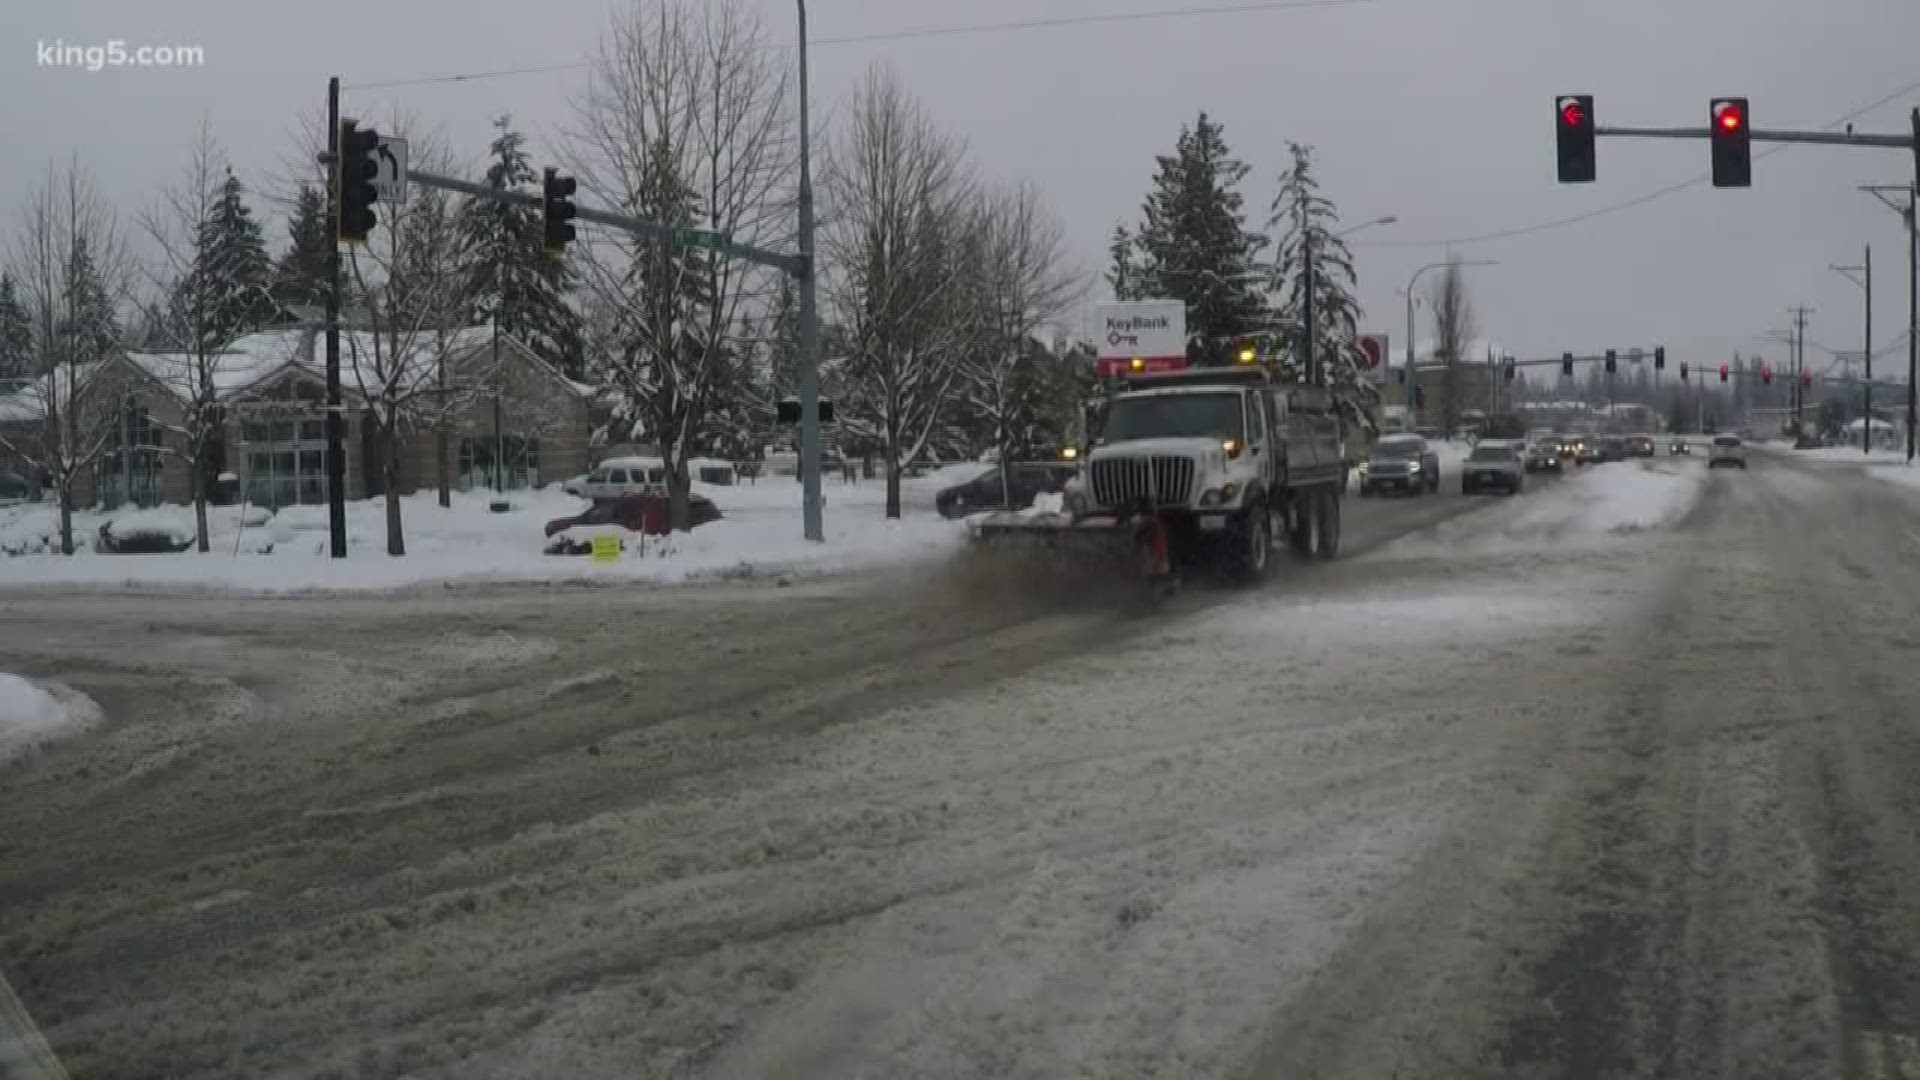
[1828, 138]
[651, 230]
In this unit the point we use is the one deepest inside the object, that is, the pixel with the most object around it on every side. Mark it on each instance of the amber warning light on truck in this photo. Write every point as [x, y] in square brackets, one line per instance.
[1138, 336]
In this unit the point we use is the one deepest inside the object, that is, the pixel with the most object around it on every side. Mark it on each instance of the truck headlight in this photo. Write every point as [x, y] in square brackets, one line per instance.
[1220, 496]
[1413, 468]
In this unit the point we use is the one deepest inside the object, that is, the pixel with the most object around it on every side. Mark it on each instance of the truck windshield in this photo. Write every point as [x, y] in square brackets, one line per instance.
[1175, 416]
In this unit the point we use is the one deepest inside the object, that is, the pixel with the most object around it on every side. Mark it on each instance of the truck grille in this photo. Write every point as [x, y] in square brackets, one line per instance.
[1127, 481]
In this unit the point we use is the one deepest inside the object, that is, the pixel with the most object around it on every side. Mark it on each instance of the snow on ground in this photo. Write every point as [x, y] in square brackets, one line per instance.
[287, 551]
[32, 713]
[1596, 504]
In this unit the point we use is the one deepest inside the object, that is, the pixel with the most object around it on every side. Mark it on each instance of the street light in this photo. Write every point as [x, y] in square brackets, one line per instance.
[1314, 377]
[1414, 280]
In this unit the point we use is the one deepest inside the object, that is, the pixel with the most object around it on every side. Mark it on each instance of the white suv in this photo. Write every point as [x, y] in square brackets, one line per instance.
[1727, 450]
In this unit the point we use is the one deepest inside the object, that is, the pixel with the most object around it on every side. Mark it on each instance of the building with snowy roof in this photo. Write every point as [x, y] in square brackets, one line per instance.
[510, 420]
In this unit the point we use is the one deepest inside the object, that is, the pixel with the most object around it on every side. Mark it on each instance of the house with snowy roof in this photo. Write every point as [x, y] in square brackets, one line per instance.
[499, 415]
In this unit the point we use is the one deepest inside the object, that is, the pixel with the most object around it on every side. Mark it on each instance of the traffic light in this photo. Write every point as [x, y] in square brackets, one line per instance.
[1659, 358]
[1512, 369]
[1806, 380]
[1566, 364]
[1573, 130]
[1732, 143]
[1400, 375]
[358, 170]
[1723, 373]
[1683, 371]
[1245, 350]
[1766, 374]
[1610, 361]
[556, 210]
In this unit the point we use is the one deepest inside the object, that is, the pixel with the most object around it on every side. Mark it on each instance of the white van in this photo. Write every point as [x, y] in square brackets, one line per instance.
[619, 476]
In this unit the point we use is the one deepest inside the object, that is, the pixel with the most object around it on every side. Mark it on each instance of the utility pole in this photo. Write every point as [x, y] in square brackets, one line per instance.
[1865, 281]
[809, 343]
[336, 452]
[1906, 211]
[1799, 360]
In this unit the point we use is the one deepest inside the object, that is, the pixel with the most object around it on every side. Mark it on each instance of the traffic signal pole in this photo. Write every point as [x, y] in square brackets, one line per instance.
[336, 451]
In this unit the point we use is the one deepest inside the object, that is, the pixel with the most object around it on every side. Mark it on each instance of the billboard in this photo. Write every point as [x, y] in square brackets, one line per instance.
[1140, 336]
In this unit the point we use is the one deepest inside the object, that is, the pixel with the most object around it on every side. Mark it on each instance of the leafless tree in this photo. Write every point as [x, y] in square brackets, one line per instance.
[198, 313]
[1454, 328]
[899, 199]
[1020, 282]
[408, 285]
[686, 124]
[70, 261]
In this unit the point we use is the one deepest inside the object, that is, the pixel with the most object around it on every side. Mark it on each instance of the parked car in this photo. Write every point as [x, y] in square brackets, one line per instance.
[615, 477]
[1640, 446]
[1400, 463]
[1493, 465]
[1727, 450]
[987, 490]
[14, 489]
[1543, 455]
[635, 513]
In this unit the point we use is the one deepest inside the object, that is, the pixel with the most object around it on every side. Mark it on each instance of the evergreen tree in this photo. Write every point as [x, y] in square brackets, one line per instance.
[1123, 275]
[1305, 218]
[300, 279]
[1194, 245]
[16, 337]
[93, 326]
[234, 260]
[512, 278]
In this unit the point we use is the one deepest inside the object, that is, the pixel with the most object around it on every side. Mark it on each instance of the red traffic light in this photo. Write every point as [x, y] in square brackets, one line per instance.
[1572, 114]
[1683, 371]
[1806, 378]
[1730, 116]
[1766, 374]
[1723, 373]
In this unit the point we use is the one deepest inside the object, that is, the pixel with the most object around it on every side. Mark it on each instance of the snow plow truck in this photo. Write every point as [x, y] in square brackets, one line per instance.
[1198, 467]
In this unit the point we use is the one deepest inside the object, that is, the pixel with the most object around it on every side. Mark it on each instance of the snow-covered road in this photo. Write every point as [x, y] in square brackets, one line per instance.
[1544, 783]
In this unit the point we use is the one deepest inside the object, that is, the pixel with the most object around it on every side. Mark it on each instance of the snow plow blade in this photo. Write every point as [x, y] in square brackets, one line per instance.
[1060, 544]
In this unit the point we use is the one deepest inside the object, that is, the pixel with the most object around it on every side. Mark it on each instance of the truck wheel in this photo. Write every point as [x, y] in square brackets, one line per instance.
[1304, 537]
[1328, 547]
[1253, 543]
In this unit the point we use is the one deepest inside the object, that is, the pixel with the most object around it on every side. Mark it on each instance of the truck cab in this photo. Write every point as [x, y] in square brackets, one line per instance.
[1224, 457]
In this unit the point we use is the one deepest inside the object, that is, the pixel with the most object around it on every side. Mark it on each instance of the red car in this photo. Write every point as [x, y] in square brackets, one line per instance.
[636, 513]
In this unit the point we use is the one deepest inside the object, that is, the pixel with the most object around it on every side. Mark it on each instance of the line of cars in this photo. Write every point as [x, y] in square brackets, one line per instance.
[1408, 464]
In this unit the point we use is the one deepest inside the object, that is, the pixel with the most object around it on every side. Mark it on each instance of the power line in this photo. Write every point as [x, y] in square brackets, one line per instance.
[1638, 200]
[925, 32]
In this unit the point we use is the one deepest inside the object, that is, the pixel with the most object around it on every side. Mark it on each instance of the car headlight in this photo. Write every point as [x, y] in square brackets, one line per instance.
[1413, 467]
[1363, 468]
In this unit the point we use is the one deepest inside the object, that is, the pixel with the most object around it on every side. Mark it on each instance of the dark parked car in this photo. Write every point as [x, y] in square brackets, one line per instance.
[986, 491]
[14, 489]
[1400, 463]
[1493, 466]
[635, 513]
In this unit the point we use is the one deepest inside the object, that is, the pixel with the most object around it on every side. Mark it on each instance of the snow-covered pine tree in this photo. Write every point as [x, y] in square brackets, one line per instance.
[17, 361]
[512, 276]
[230, 273]
[1302, 215]
[1194, 245]
[1123, 275]
[300, 278]
[93, 324]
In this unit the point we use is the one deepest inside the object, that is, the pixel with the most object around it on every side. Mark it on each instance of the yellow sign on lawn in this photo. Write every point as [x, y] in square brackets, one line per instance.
[606, 549]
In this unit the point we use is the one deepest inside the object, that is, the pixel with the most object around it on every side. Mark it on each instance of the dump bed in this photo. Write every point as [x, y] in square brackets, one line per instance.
[1309, 433]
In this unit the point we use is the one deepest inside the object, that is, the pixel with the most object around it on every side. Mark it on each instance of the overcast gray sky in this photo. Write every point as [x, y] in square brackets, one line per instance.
[1437, 111]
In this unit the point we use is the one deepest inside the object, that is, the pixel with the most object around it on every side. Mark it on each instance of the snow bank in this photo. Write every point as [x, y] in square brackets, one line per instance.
[289, 551]
[31, 714]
